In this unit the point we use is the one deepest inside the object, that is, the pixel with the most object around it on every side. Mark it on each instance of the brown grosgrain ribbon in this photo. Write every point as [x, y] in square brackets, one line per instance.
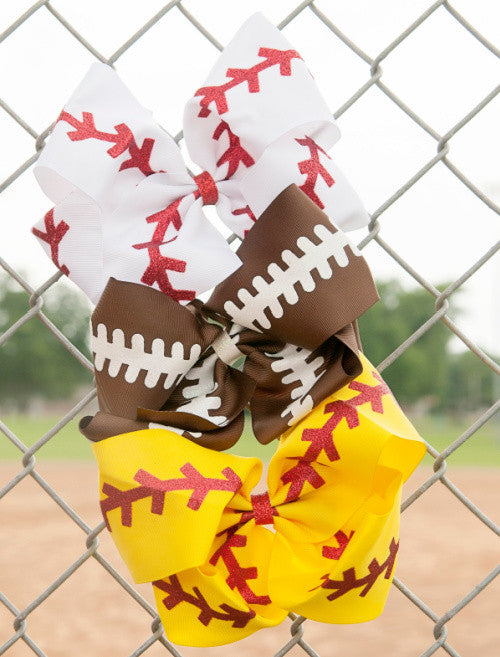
[290, 309]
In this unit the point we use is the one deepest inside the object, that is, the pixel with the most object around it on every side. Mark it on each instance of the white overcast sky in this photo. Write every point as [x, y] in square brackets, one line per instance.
[440, 71]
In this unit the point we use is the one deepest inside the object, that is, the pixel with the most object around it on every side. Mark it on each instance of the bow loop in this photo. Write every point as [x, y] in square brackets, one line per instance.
[258, 90]
[104, 142]
[356, 428]
[124, 198]
[155, 507]
[261, 120]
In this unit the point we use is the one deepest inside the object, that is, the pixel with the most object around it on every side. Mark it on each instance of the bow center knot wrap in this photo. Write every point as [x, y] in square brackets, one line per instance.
[262, 510]
[207, 188]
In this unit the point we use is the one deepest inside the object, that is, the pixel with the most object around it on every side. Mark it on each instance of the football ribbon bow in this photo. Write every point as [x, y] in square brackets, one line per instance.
[126, 205]
[278, 334]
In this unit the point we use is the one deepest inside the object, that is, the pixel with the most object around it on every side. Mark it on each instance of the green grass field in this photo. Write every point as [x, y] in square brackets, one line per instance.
[482, 449]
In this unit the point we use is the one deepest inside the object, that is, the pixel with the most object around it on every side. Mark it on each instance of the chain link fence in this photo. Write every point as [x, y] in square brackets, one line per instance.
[90, 539]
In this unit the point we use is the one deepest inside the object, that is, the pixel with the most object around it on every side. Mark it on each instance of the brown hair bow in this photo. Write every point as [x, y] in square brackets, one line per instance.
[289, 311]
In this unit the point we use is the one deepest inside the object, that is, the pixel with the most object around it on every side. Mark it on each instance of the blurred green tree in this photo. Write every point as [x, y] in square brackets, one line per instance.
[423, 369]
[470, 384]
[33, 363]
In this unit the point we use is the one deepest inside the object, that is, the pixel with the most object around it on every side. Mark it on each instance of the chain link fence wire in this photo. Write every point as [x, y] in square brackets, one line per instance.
[374, 72]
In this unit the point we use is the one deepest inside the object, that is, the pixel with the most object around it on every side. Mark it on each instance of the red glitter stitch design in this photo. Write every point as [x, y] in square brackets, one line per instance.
[156, 272]
[321, 438]
[246, 210]
[301, 473]
[176, 595]
[330, 552]
[123, 140]
[349, 581]
[235, 153]
[139, 157]
[313, 168]
[53, 237]
[238, 576]
[151, 486]
[250, 76]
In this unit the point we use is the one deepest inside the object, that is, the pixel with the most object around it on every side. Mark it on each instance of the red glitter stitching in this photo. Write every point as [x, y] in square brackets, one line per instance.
[350, 582]
[298, 476]
[156, 272]
[235, 153]
[238, 576]
[123, 140]
[151, 486]
[371, 394]
[53, 237]
[139, 157]
[331, 552]
[217, 93]
[246, 210]
[313, 168]
[176, 595]
[321, 438]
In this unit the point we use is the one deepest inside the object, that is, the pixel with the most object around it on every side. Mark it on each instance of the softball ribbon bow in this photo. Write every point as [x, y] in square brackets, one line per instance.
[186, 519]
[127, 206]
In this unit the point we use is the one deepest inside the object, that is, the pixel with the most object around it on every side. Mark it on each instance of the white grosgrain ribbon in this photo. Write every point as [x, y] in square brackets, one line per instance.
[126, 205]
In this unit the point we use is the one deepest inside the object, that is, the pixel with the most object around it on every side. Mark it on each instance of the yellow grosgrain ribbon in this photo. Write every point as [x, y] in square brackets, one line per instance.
[184, 518]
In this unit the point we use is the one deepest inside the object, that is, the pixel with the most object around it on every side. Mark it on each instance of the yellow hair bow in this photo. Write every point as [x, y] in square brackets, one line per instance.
[184, 518]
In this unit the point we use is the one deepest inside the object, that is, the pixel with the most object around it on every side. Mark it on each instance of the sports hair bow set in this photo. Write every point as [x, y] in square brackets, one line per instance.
[129, 229]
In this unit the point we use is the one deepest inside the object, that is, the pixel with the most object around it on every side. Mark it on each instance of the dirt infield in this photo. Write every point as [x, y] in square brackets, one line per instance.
[445, 551]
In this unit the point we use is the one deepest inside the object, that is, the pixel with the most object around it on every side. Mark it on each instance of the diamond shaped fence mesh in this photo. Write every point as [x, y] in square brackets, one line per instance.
[438, 641]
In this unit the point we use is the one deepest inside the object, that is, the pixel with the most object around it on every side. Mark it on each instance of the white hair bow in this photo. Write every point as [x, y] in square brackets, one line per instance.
[126, 205]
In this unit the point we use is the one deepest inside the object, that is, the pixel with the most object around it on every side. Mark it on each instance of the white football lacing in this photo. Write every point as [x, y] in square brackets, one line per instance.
[316, 257]
[136, 358]
[292, 361]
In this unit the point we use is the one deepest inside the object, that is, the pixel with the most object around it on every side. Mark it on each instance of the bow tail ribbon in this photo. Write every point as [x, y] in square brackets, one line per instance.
[186, 518]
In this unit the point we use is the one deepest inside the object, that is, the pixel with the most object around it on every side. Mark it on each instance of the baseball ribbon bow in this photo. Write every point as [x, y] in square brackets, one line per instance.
[126, 205]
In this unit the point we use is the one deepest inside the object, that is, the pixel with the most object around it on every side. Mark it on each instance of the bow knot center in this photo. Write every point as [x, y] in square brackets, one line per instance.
[263, 512]
[207, 188]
